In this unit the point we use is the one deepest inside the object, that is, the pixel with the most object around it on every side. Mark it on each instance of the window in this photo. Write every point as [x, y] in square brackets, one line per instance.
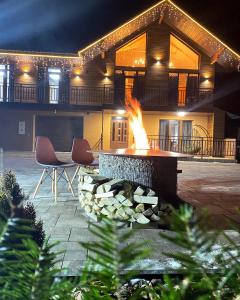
[183, 87]
[54, 80]
[187, 130]
[169, 134]
[4, 82]
[132, 54]
[181, 56]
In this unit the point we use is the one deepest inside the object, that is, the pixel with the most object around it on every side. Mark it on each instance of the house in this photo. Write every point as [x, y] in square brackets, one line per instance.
[163, 57]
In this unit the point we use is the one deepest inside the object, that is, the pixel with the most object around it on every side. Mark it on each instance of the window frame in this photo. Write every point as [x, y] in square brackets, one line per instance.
[129, 68]
[190, 47]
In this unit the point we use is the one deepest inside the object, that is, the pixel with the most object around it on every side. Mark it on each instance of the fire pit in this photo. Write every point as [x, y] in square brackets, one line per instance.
[155, 169]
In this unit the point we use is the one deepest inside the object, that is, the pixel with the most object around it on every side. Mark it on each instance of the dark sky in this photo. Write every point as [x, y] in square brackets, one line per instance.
[68, 25]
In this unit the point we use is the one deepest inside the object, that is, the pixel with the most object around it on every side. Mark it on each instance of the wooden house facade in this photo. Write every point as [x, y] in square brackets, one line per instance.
[162, 57]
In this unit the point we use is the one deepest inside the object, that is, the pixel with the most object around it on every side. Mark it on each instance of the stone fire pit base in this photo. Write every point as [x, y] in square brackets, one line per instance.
[157, 173]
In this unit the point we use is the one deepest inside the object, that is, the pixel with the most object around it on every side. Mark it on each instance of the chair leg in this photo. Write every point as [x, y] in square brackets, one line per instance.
[39, 183]
[69, 182]
[75, 174]
[55, 184]
[53, 181]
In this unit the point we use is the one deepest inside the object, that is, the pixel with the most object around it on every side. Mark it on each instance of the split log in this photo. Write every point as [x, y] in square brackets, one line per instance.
[109, 201]
[89, 196]
[111, 209]
[90, 187]
[154, 218]
[127, 203]
[129, 211]
[104, 211]
[148, 212]
[106, 195]
[88, 208]
[118, 205]
[120, 212]
[139, 208]
[95, 179]
[108, 186]
[139, 191]
[155, 209]
[120, 197]
[145, 199]
[150, 192]
[142, 219]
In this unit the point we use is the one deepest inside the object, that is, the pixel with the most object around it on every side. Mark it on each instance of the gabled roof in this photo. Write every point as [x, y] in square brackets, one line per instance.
[174, 16]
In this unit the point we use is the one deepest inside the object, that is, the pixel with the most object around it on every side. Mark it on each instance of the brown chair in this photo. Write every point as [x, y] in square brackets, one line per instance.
[81, 155]
[53, 168]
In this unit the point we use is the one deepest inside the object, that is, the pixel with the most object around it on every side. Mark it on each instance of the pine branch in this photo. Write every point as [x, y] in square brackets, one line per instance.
[111, 259]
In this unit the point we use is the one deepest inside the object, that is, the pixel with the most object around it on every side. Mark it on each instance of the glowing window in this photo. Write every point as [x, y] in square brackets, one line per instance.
[181, 56]
[133, 54]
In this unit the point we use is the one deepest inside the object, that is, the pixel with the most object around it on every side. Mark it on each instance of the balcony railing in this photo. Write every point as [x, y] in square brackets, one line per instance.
[196, 146]
[85, 95]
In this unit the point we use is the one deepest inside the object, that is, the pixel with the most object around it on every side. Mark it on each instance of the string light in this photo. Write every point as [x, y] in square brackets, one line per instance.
[165, 10]
[175, 17]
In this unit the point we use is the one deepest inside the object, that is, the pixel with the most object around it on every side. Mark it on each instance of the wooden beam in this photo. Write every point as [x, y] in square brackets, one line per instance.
[216, 55]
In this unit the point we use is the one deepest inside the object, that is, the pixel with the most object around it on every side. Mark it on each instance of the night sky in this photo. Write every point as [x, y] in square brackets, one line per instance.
[69, 25]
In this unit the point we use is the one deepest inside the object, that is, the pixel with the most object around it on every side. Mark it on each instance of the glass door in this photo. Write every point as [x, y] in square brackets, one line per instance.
[169, 135]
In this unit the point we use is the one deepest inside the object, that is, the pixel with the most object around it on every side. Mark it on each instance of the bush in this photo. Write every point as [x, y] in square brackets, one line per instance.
[11, 202]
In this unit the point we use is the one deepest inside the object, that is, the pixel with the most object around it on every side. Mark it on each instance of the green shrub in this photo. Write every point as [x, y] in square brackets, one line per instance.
[11, 201]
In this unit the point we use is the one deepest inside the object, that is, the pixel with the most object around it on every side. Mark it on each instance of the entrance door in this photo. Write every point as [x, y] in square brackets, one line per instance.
[119, 133]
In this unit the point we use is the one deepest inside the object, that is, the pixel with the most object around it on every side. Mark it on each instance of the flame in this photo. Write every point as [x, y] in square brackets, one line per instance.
[134, 112]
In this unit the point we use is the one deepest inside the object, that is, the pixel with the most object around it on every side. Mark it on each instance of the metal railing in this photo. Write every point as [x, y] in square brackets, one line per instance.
[90, 95]
[196, 146]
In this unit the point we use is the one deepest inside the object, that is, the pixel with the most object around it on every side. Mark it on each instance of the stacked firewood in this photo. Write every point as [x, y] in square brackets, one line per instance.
[117, 198]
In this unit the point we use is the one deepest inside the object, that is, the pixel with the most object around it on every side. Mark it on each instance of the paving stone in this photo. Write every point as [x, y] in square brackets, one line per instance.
[212, 185]
[71, 255]
[68, 246]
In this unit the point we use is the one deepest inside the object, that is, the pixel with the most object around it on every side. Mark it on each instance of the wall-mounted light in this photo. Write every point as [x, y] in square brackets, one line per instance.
[121, 111]
[158, 62]
[25, 70]
[77, 71]
[170, 64]
[181, 113]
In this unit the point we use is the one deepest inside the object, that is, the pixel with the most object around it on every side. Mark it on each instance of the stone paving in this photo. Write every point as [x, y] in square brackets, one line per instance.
[215, 186]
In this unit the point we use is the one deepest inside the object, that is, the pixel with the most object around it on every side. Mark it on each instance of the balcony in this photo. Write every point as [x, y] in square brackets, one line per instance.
[196, 146]
[98, 96]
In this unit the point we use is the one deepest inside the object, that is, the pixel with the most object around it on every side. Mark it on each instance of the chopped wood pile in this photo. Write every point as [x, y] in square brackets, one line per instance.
[117, 198]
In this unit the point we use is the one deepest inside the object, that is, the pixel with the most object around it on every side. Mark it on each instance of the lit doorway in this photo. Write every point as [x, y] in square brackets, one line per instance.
[119, 133]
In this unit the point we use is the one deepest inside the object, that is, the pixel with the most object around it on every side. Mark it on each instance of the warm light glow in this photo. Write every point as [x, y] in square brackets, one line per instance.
[133, 53]
[182, 56]
[134, 112]
[181, 113]
[121, 111]
[26, 69]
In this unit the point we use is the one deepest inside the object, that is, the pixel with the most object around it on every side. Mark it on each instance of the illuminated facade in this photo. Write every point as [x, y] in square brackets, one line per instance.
[163, 57]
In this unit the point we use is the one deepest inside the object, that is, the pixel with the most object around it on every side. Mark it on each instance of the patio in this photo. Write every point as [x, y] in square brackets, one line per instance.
[214, 186]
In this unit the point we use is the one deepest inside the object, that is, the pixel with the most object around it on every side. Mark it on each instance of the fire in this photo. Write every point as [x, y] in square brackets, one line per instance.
[134, 111]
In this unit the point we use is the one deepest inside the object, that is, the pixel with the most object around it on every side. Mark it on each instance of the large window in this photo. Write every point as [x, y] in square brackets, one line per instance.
[181, 56]
[4, 82]
[132, 54]
[54, 80]
[175, 135]
[183, 87]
